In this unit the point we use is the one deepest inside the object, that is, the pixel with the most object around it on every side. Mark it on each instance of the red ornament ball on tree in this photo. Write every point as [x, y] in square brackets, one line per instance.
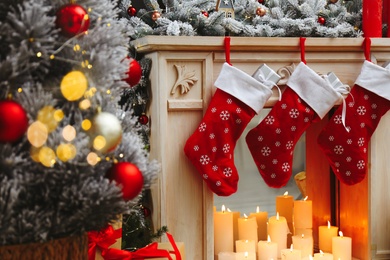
[128, 177]
[72, 19]
[260, 1]
[143, 119]
[321, 20]
[13, 121]
[135, 73]
[205, 13]
[131, 11]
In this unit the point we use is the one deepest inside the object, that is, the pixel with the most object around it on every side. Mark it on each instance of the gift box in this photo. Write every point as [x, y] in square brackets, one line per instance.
[266, 75]
[334, 80]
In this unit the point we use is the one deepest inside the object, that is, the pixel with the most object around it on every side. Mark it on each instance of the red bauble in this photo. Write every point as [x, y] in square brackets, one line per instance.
[143, 119]
[131, 11]
[205, 13]
[260, 1]
[72, 19]
[128, 177]
[135, 73]
[13, 121]
[321, 20]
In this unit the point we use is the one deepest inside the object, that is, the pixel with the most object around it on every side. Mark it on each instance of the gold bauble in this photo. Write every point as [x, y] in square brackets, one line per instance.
[260, 11]
[73, 85]
[333, 1]
[105, 132]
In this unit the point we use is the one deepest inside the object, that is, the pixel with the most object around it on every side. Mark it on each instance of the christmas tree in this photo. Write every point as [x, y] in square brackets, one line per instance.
[250, 18]
[74, 156]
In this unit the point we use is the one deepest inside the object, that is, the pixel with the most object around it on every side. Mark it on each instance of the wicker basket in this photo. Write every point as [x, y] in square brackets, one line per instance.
[72, 248]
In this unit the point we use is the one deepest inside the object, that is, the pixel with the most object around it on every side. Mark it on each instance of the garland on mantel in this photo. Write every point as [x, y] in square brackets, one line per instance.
[250, 18]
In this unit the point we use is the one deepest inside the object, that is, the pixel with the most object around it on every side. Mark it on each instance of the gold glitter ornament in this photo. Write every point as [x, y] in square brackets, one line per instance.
[156, 14]
[260, 11]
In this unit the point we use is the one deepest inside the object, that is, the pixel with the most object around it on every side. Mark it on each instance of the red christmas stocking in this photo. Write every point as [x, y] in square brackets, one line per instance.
[211, 147]
[346, 147]
[307, 99]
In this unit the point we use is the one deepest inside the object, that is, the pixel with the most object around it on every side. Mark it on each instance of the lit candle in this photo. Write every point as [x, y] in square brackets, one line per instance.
[307, 232]
[284, 205]
[261, 218]
[226, 256]
[291, 254]
[247, 228]
[372, 18]
[303, 213]
[323, 256]
[342, 247]
[325, 234]
[245, 246]
[278, 230]
[223, 231]
[267, 250]
[246, 256]
[305, 244]
[236, 216]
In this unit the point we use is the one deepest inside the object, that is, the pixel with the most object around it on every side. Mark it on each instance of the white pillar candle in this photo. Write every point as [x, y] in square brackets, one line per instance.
[284, 205]
[223, 231]
[325, 234]
[226, 256]
[305, 244]
[267, 250]
[245, 246]
[278, 230]
[246, 256]
[247, 228]
[291, 254]
[261, 218]
[236, 216]
[323, 256]
[342, 247]
[303, 213]
[307, 232]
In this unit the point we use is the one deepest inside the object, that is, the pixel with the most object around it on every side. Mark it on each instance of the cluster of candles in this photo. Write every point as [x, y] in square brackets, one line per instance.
[244, 238]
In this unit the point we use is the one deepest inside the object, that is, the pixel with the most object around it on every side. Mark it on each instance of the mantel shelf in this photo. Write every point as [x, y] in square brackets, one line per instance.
[204, 43]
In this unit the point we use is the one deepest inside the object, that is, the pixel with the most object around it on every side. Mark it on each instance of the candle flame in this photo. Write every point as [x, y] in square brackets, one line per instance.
[303, 235]
[328, 224]
[340, 234]
[321, 252]
[228, 210]
[286, 193]
[269, 239]
[223, 208]
[305, 198]
[310, 257]
[257, 209]
[246, 254]
[277, 215]
[246, 241]
[291, 248]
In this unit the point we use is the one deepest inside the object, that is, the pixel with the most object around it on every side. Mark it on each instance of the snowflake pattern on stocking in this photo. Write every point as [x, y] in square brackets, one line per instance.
[214, 141]
[273, 141]
[346, 151]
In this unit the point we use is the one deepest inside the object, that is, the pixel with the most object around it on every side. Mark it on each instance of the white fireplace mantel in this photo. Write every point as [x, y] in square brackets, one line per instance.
[182, 76]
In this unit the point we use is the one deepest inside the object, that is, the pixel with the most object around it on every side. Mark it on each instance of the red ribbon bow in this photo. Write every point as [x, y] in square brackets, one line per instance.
[108, 236]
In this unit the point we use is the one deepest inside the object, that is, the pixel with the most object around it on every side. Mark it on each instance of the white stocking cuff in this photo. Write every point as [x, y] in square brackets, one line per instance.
[243, 86]
[375, 78]
[313, 89]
